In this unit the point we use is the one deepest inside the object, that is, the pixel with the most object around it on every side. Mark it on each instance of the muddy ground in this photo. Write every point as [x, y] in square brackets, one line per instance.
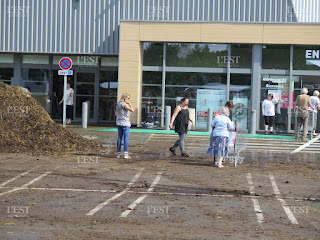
[169, 197]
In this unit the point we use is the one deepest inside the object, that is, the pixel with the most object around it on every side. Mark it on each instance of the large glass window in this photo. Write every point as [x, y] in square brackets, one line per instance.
[57, 93]
[6, 75]
[108, 95]
[109, 61]
[151, 97]
[197, 55]
[241, 56]
[276, 56]
[279, 86]
[37, 82]
[204, 90]
[152, 54]
[310, 82]
[6, 58]
[303, 60]
[36, 59]
[240, 94]
[84, 92]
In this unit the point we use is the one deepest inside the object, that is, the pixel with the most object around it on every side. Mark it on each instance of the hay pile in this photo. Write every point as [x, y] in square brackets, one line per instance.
[26, 127]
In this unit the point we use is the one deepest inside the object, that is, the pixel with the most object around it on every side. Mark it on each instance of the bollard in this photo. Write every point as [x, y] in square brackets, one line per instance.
[84, 115]
[192, 114]
[167, 117]
[295, 123]
[88, 116]
[209, 117]
[253, 122]
[312, 124]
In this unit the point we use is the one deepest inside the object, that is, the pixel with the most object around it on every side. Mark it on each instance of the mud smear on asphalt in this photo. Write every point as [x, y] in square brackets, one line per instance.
[27, 128]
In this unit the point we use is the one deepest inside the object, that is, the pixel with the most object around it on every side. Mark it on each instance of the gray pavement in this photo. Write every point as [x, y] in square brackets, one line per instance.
[154, 195]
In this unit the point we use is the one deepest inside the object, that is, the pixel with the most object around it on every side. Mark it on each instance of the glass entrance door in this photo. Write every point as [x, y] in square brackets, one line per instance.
[57, 94]
[84, 91]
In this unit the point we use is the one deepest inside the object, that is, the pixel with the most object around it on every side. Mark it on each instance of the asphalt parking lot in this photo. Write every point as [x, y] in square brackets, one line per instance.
[154, 195]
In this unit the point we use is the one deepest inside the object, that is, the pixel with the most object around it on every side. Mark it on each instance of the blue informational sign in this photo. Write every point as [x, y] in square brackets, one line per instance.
[207, 98]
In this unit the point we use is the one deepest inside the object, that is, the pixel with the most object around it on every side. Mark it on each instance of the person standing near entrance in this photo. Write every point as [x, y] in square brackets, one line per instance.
[315, 101]
[123, 110]
[268, 112]
[301, 104]
[69, 103]
[181, 117]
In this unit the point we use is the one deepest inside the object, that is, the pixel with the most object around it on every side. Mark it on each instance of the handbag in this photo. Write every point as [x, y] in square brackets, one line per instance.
[303, 113]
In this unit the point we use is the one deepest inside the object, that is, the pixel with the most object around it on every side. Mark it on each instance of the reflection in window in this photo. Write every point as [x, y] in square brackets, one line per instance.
[6, 74]
[151, 97]
[279, 86]
[241, 56]
[29, 74]
[152, 54]
[108, 88]
[108, 83]
[240, 92]
[36, 80]
[35, 59]
[276, 57]
[300, 62]
[197, 55]
[203, 90]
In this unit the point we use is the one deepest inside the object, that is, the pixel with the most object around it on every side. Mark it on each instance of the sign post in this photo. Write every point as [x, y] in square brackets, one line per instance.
[65, 64]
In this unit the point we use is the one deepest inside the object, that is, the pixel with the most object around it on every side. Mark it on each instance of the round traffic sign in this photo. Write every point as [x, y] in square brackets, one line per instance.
[65, 63]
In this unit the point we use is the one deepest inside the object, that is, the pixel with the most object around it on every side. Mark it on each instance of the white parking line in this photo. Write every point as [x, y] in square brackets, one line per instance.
[101, 205]
[287, 210]
[140, 199]
[25, 185]
[255, 201]
[13, 179]
[305, 145]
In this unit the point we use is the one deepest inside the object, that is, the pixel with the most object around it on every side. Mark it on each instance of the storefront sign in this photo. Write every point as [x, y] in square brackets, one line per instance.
[313, 55]
[90, 61]
[214, 99]
[275, 79]
[280, 84]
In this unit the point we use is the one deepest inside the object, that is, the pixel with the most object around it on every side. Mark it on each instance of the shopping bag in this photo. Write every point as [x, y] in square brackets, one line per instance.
[233, 138]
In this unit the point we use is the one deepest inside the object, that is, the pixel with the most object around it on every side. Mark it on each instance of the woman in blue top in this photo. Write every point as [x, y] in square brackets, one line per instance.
[219, 139]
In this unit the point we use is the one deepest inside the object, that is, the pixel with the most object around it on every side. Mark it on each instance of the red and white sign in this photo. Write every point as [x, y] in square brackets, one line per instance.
[65, 63]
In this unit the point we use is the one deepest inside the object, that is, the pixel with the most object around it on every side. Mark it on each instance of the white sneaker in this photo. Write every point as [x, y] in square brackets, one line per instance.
[127, 156]
[118, 156]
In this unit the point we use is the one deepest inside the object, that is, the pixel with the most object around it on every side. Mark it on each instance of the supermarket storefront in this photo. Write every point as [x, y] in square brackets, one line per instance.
[211, 66]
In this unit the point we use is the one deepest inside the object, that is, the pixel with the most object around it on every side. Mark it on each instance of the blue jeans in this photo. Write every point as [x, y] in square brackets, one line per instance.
[123, 130]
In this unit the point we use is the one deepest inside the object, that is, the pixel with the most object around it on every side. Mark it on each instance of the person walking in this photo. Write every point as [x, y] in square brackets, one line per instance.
[315, 101]
[219, 140]
[268, 112]
[181, 117]
[229, 104]
[123, 109]
[69, 103]
[301, 105]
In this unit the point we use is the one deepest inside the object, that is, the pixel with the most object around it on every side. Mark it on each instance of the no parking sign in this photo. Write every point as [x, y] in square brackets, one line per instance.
[65, 64]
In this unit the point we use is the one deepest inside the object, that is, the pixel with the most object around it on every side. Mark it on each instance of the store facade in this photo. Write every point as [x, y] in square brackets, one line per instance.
[95, 79]
[161, 50]
[216, 63]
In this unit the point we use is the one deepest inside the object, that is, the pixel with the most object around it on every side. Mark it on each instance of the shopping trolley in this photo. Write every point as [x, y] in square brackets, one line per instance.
[239, 142]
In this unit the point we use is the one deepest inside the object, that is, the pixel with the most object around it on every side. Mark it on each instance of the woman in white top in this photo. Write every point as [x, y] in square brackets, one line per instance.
[69, 103]
[268, 112]
[315, 102]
